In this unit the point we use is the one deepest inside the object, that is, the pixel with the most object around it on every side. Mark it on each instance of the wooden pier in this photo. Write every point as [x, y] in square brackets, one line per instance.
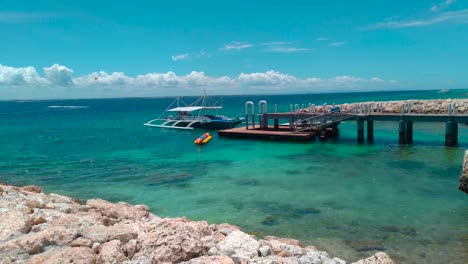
[304, 124]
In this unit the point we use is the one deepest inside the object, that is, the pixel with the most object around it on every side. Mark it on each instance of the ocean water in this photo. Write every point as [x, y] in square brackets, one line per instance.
[346, 198]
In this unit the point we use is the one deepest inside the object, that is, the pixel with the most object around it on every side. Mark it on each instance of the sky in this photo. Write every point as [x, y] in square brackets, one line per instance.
[100, 49]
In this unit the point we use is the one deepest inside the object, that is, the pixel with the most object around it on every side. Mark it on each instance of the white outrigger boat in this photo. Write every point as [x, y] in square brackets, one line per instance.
[194, 116]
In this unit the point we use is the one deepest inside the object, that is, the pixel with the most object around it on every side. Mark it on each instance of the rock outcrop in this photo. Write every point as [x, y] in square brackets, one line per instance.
[49, 228]
[436, 106]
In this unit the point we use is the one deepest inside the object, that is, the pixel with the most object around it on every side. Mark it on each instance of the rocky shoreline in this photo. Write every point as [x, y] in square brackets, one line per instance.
[49, 228]
[434, 106]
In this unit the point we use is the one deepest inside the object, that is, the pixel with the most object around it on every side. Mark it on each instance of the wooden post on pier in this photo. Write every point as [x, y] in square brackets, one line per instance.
[360, 130]
[451, 134]
[276, 124]
[370, 131]
[409, 132]
[402, 132]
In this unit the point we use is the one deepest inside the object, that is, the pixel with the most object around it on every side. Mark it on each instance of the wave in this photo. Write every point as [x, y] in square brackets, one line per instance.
[68, 106]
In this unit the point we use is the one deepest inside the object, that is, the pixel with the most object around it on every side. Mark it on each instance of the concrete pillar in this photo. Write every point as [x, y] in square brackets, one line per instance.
[409, 132]
[276, 124]
[263, 121]
[360, 130]
[370, 131]
[323, 132]
[451, 134]
[402, 132]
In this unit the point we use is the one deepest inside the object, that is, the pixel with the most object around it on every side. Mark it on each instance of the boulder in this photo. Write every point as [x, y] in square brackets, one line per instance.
[34, 243]
[240, 245]
[175, 240]
[76, 255]
[111, 252]
[377, 258]
[13, 222]
[102, 234]
[31, 188]
[224, 228]
[210, 260]
[130, 248]
[119, 210]
[81, 242]
[278, 247]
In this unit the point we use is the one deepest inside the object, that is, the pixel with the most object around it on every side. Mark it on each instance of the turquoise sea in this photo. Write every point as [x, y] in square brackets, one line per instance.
[343, 197]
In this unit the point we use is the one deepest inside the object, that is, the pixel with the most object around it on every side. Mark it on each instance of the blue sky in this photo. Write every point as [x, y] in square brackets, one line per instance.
[76, 49]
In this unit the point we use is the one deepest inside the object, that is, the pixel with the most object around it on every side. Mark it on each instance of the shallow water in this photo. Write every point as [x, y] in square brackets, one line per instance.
[346, 198]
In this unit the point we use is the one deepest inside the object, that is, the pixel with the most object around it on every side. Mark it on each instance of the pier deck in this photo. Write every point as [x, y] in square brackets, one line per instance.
[269, 133]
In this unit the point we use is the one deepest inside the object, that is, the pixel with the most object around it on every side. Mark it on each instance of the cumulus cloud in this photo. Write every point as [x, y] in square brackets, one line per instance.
[267, 78]
[59, 82]
[19, 76]
[58, 75]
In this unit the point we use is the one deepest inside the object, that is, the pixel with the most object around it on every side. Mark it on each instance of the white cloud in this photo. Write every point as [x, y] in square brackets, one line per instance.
[266, 78]
[335, 44]
[460, 16]
[26, 83]
[322, 39]
[443, 5]
[180, 57]
[288, 49]
[58, 75]
[19, 76]
[237, 46]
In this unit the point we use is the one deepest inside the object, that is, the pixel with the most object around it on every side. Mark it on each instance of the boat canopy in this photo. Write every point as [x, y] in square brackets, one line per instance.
[192, 108]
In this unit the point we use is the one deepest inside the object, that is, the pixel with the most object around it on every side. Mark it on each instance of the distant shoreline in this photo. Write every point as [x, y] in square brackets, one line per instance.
[226, 95]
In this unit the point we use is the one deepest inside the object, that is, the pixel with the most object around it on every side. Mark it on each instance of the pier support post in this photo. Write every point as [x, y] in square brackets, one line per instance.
[370, 131]
[360, 130]
[263, 122]
[402, 132]
[323, 132]
[276, 124]
[409, 132]
[451, 134]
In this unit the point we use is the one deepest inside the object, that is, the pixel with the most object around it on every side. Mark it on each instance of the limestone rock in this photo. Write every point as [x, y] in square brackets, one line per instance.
[101, 234]
[316, 257]
[225, 229]
[283, 246]
[81, 242]
[31, 188]
[130, 248]
[175, 240]
[210, 260]
[119, 210]
[111, 252]
[13, 222]
[240, 245]
[377, 258]
[34, 243]
[76, 255]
